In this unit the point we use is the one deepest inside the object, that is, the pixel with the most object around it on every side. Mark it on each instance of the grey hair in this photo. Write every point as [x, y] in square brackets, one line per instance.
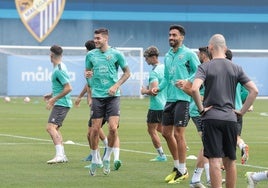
[218, 41]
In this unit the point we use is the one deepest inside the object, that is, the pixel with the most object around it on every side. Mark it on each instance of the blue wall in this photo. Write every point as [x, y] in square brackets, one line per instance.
[141, 23]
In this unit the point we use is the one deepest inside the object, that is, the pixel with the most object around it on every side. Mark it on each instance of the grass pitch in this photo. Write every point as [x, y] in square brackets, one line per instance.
[25, 147]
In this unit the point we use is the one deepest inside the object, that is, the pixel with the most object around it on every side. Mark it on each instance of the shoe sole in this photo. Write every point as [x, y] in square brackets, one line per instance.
[178, 180]
[170, 176]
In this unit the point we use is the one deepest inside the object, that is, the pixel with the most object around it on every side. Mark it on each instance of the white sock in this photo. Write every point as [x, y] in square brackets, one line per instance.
[59, 150]
[94, 156]
[182, 168]
[241, 145]
[160, 151]
[105, 142]
[197, 175]
[116, 152]
[206, 167]
[99, 157]
[107, 156]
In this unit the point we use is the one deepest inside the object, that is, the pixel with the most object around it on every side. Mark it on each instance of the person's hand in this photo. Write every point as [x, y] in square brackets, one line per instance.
[112, 90]
[77, 102]
[50, 103]
[154, 91]
[47, 97]
[88, 74]
[143, 90]
[251, 108]
[180, 83]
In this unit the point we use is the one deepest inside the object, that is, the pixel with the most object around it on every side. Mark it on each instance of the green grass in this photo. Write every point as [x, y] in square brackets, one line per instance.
[25, 147]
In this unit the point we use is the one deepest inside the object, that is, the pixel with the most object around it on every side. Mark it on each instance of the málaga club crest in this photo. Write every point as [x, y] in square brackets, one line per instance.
[40, 17]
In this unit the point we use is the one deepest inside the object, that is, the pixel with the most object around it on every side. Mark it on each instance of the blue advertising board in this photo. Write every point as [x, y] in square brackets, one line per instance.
[30, 75]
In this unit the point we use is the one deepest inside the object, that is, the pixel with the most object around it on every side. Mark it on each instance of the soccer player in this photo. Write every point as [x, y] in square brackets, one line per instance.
[180, 64]
[90, 45]
[241, 94]
[220, 78]
[104, 62]
[157, 103]
[59, 101]
[202, 162]
[254, 177]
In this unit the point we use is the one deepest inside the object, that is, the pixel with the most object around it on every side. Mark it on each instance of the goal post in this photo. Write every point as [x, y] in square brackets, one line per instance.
[26, 70]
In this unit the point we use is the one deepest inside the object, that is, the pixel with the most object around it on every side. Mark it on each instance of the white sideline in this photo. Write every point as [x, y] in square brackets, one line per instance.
[127, 150]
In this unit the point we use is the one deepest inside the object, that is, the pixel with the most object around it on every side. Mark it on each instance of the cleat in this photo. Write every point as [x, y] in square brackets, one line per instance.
[179, 177]
[244, 154]
[209, 182]
[98, 166]
[88, 158]
[104, 152]
[250, 181]
[196, 185]
[106, 167]
[57, 159]
[159, 158]
[65, 159]
[117, 164]
[93, 169]
[171, 176]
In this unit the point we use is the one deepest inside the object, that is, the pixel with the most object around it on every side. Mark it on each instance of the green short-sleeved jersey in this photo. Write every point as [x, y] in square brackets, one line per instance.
[156, 75]
[193, 108]
[59, 78]
[105, 70]
[181, 65]
[240, 96]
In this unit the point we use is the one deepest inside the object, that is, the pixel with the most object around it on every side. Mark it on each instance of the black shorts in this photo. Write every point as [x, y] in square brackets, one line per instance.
[219, 138]
[154, 116]
[198, 123]
[176, 113]
[58, 115]
[105, 107]
[239, 125]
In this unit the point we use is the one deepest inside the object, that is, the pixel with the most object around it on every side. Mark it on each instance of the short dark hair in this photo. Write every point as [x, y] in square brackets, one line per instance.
[102, 31]
[151, 51]
[229, 54]
[90, 45]
[205, 50]
[56, 49]
[179, 28]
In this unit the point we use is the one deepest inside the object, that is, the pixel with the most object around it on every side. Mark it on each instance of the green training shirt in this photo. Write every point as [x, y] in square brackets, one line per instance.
[105, 70]
[181, 65]
[156, 75]
[59, 78]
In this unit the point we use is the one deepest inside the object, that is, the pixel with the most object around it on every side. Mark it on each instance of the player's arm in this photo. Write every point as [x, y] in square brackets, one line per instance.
[185, 85]
[89, 96]
[147, 91]
[253, 93]
[66, 89]
[80, 96]
[123, 78]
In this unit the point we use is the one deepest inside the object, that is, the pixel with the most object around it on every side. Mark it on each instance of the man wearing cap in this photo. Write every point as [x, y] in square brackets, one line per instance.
[157, 103]
[180, 64]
